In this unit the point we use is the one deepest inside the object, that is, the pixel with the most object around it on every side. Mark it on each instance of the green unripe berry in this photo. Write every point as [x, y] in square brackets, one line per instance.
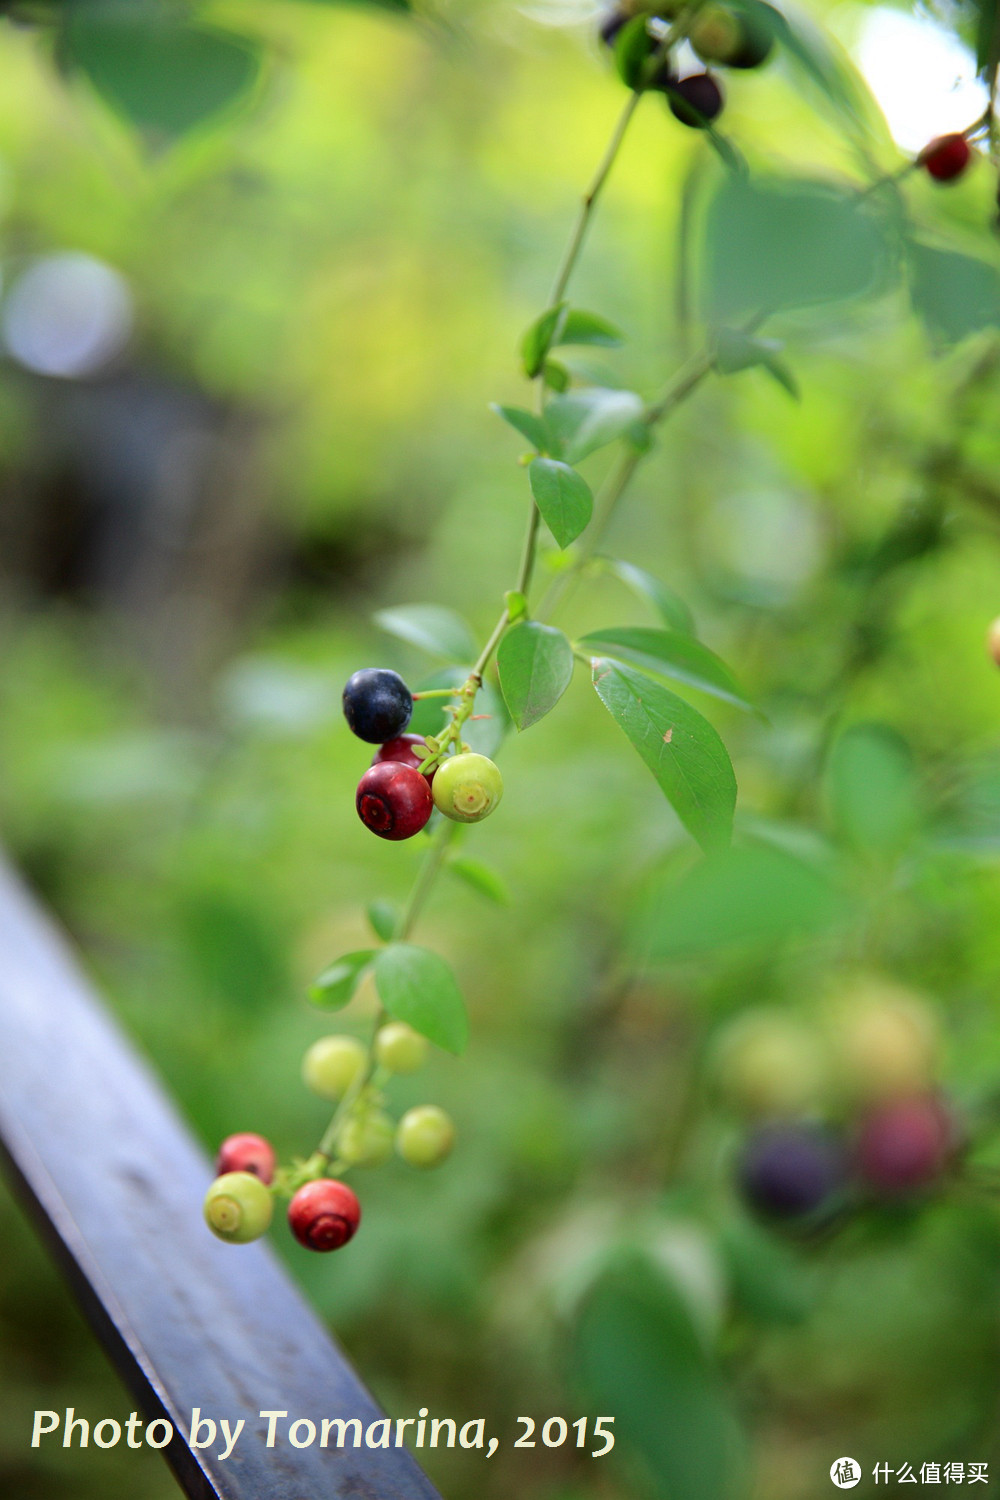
[425, 1136]
[467, 788]
[399, 1048]
[238, 1207]
[332, 1064]
[366, 1142]
[716, 34]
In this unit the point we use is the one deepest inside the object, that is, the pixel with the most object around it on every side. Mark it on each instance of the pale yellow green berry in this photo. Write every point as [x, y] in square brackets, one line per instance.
[399, 1048]
[332, 1064]
[425, 1136]
[238, 1207]
[886, 1041]
[766, 1064]
[467, 787]
[366, 1141]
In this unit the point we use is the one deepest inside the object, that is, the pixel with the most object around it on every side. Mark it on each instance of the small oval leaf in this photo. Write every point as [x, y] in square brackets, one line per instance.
[418, 987]
[535, 663]
[337, 983]
[680, 747]
[562, 496]
[669, 653]
[431, 627]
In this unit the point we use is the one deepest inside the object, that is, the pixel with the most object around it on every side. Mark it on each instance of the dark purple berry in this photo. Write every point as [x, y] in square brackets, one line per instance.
[393, 800]
[791, 1171]
[377, 704]
[695, 101]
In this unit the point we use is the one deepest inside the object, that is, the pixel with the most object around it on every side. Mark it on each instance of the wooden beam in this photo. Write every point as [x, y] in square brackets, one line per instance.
[115, 1182]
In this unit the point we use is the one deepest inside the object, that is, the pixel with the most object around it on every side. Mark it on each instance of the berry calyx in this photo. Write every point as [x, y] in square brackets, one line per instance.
[721, 34]
[332, 1064]
[393, 800]
[366, 1141]
[324, 1215]
[467, 787]
[946, 157]
[791, 1171]
[246, 1152]
[238, 1208]
[377, 704]
[401, 750]
[696, 100]
[906, 1146]
[425, 1136]
[399, 1048]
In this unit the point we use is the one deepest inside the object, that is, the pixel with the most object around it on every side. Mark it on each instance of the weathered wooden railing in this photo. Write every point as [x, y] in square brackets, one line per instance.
[115, 1183]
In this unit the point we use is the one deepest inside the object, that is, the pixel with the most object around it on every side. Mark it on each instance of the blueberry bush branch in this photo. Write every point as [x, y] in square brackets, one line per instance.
[444, 770]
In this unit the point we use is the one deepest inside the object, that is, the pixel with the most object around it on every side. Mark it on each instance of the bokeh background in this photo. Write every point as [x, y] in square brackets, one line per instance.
[247, 358]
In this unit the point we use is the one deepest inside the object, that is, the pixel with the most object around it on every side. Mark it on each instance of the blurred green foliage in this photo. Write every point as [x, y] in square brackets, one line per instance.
[334, 244]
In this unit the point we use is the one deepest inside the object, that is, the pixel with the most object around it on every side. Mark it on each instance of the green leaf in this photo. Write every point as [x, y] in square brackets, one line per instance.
[784, 243]
[432, 628]
[986, 21]
[484, 732]
[526, 423]
[556, 375]
[480, 878]
[670, 606]
[535, 663]
[954, 294]
[680, 747]
[586, 420]
[768, 1281]
[418, 987]
[588, 328]
[160, 73]
[669, 653]
[337, 984]
[540, 337]
[872, 788]
[637, 1353]
[736, 351]
[755, 895]
[382, 918]
[562, 496]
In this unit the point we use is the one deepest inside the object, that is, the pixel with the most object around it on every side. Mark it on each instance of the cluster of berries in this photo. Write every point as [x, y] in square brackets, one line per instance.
[730, 36]
[324, 1213]
[842, 1114]
[719, 33]
[410, 775]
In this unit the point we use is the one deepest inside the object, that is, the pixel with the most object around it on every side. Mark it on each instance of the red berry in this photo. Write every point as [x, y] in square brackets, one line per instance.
[906, 1146]
[246, 1152]
[393, 800]
[946, 157]
[324, 1215]
[401, 751]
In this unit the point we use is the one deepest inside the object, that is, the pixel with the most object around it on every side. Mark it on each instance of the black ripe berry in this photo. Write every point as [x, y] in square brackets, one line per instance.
[696, 101]
[377, 704]
[394, 800]
[791, 1171]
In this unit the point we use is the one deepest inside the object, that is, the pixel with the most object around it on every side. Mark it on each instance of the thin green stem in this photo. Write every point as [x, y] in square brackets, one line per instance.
[427, 874]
